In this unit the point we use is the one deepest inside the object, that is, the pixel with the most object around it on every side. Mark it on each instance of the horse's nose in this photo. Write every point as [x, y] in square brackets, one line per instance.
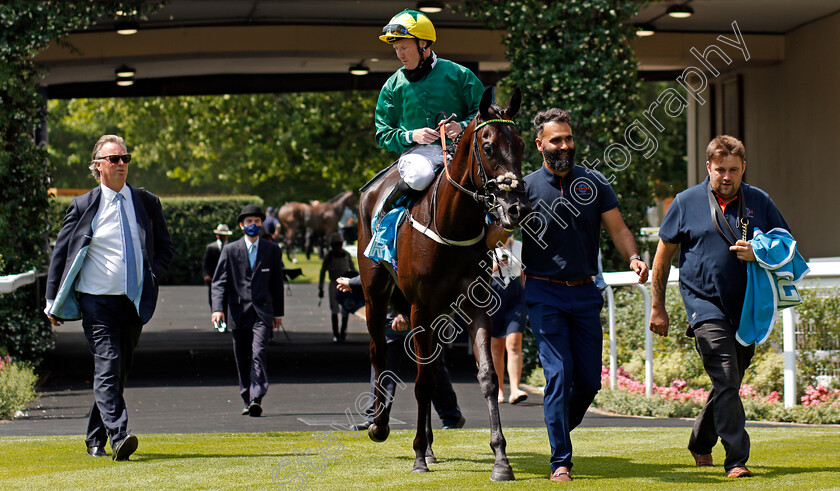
[513, 212]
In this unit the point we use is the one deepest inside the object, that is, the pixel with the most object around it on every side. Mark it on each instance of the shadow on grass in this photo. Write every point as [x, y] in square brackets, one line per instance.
[151, 456]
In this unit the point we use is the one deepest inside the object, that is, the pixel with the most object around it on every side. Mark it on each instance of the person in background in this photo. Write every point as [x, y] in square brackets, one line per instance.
[211, 258]
[444, 399]
[508, 321]
[338, 263]
[248, 293]
[270, 225]
[112, 248]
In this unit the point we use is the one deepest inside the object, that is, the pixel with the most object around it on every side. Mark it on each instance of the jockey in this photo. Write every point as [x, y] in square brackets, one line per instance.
[412, 98]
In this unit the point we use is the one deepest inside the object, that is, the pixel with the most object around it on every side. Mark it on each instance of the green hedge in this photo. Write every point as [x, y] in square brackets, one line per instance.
[191, 221]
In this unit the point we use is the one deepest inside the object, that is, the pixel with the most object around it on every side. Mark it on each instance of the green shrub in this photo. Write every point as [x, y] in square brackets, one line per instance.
[17, 386]
[191, 221]
[24, 330]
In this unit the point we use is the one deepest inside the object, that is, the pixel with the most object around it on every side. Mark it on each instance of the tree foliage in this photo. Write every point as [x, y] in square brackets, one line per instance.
[25, 28]
[283, 147]
[577, 55]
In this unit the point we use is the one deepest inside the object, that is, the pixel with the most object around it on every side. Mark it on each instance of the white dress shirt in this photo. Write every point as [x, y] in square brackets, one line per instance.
[103, 271]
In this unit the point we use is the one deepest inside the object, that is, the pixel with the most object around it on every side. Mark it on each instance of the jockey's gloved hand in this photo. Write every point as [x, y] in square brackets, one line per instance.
[320, 293]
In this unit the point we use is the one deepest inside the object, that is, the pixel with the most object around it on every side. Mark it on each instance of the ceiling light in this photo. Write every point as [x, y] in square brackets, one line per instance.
[126, 27]
[125, 81]
[124, 71]
[645, 30]
[359, 69]
[680, 11]
[429, 6]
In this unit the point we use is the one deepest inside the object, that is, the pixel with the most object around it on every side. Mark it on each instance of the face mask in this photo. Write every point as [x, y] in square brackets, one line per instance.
[252, 230]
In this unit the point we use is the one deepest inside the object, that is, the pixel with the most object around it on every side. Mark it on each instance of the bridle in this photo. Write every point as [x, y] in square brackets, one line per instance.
[482, 194]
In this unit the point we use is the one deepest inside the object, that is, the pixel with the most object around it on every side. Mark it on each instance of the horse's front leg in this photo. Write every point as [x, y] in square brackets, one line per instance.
[426, 352]
[490, 389]
[376, 309]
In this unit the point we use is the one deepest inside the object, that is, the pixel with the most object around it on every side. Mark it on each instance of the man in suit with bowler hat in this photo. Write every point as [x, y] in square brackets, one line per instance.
[247, 291]
[108, 256]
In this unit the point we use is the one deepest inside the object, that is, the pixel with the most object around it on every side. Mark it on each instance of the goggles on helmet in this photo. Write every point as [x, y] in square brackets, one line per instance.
[396, 30]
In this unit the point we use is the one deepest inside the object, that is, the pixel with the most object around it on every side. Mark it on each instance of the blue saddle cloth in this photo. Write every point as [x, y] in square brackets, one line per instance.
[383, 243]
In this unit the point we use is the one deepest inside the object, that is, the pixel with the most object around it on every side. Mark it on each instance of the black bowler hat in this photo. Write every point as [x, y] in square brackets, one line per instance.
[250, 211]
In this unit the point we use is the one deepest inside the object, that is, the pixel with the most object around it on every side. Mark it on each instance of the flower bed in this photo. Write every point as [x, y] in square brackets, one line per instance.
[819, 404]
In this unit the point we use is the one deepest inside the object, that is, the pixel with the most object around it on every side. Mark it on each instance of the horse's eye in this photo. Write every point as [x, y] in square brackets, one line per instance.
[488, 149]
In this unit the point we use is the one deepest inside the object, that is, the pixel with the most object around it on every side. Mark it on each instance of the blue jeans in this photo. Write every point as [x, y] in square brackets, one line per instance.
[566, 321]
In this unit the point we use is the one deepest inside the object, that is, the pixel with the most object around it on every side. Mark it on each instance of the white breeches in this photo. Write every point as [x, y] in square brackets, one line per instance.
[417, 165]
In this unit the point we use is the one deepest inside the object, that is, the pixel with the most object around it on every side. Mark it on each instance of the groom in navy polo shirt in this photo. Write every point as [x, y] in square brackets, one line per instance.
[560, 244]
[713, 282]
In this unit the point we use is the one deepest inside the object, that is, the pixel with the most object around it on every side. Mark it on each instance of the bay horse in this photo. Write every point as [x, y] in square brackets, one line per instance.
[312, 221]
[441, 251]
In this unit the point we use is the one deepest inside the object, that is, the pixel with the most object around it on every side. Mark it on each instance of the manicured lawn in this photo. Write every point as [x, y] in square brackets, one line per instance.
[606, 458]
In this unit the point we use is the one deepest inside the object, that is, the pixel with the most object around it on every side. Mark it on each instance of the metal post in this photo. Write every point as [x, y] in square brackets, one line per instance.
[648, 342]
[789, 347]
[613, 346]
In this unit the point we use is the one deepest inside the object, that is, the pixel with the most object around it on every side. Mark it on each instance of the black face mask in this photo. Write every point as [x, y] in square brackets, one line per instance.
[559, 162]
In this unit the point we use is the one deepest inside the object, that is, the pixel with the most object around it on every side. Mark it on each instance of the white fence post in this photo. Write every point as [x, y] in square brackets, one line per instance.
[648, 342]
[613, 346]
[789, 348]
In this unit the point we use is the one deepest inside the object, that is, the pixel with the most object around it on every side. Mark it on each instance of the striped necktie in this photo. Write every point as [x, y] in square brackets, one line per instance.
[131, 287]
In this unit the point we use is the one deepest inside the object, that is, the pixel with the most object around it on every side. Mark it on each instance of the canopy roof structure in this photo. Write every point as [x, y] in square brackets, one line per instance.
[249, 46]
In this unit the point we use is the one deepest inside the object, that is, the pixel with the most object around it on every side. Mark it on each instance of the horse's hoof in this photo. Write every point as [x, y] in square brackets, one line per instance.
[502, 473]
[420, 467]
[379, 434]
[431, 459]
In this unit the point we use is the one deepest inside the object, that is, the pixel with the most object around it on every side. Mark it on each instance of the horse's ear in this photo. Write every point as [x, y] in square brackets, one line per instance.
[486, 102]
[514, 103]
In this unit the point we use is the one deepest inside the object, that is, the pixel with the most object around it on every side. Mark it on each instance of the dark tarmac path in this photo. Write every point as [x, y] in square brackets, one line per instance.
[183, 379]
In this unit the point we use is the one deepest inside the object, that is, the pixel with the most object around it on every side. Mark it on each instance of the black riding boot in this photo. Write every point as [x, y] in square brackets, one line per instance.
[400, 194]
[343, 335]
[334, 318]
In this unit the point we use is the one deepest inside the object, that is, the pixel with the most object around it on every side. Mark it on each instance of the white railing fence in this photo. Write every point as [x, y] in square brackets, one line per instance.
[823, 274]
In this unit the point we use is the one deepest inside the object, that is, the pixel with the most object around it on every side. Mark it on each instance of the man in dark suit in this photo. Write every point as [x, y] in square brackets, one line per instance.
[109, 254]
[211, 258]
[248, 284]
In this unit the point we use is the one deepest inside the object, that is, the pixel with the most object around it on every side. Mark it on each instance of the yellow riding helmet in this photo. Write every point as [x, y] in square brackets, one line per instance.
[408, 24]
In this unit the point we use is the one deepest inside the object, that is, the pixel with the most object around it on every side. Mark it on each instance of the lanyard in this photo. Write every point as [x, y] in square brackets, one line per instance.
[717, 212]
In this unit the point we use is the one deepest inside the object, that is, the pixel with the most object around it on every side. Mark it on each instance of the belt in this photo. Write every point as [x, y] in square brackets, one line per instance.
[562, 282]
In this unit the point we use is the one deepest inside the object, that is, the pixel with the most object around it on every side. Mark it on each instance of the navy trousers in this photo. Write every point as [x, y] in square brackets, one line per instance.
[726, 361]
[249, 341]
[444, 399]
[566, 321]
[112, 328]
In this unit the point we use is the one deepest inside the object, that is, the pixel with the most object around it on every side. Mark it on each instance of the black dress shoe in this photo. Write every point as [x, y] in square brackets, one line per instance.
[254, 409]
[96, 451]
[125, 447]
[363, 425]
[456, 424]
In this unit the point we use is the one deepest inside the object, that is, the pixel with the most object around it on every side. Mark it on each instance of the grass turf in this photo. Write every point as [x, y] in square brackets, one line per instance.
[311, 268]
[605, 458]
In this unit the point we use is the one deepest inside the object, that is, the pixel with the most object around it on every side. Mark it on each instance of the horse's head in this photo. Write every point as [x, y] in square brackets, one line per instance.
[497, 148]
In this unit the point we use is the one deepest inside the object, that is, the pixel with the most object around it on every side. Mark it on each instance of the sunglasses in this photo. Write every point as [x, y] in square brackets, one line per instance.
[115, 159]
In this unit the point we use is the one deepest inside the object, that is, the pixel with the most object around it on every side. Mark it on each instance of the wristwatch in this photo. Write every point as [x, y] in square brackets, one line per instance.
[632, 258]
